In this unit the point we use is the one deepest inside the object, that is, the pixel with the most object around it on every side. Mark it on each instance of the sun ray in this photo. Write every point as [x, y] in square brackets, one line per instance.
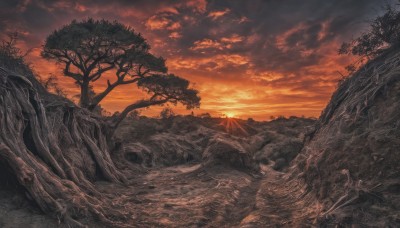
[232, 125]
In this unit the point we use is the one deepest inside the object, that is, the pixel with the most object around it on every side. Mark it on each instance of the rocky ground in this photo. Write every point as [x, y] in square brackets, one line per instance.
[185, 196]
[166, 189]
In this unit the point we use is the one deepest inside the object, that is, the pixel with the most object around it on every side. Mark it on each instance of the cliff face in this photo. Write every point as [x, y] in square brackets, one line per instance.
[352, 162]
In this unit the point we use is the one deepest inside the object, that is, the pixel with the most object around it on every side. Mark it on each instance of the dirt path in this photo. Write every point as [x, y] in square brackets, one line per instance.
[282, 201]
[17, 211]
[193, 196]
[245, 204]
[190, 196]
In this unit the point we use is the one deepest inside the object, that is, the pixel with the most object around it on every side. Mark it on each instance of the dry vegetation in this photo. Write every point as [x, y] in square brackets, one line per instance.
[352, 162]
[181, 139]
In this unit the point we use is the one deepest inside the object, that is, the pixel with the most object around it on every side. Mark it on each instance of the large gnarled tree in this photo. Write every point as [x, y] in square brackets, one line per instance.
[90, 48]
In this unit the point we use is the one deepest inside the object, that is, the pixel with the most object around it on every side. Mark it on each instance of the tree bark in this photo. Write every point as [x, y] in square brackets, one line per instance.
[98, 98]
[84, 99]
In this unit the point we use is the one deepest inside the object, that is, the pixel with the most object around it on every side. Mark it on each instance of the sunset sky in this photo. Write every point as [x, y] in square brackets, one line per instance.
[248, 58]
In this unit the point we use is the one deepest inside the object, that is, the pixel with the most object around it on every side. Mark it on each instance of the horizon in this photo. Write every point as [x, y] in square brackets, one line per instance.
[248, 59]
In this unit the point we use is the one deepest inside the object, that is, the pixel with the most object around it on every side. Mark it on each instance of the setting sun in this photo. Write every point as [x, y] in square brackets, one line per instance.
[229, 114]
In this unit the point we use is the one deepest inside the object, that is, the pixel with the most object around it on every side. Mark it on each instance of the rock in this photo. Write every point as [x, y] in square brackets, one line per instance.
[138, 153]
[228, 152]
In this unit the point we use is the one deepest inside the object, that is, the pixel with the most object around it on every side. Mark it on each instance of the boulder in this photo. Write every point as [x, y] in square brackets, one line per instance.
[223, 151]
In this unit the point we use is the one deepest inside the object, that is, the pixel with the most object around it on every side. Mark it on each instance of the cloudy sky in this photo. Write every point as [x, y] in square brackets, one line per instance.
[251, 58]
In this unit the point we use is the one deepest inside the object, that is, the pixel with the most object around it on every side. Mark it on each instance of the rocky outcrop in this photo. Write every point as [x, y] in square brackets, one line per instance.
[223, 151]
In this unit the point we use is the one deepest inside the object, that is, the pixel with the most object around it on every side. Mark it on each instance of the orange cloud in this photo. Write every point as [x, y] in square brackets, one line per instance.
[198, 5]
[217, 14]
[224, 43]
[214, 63]
[207, 43]
[80, 7]
[235, 38]
[158, 22]
[175, 35]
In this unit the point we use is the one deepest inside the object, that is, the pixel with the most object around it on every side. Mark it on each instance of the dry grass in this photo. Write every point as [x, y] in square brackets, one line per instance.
[358, 135]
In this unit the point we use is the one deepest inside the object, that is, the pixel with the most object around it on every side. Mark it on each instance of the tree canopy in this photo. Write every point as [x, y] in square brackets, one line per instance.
[89, 48]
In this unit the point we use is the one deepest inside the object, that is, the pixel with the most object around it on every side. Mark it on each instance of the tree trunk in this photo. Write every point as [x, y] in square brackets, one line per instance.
[84, 99]
[56, 151]
[97, 99]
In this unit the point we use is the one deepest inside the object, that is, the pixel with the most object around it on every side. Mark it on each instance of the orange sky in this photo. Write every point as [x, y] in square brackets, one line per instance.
[257, 59]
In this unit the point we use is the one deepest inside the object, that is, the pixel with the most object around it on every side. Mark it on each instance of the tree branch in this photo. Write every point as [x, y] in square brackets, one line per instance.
[99, 97]
[96, 61]
[67, 72]
[139, 104]
[73, 61]
[81, 61]
[129, 81]
[97, 75]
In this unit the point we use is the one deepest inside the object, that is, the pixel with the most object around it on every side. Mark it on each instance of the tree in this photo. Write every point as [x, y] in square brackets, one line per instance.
[11, 56]
[164, 88]
[383, 34]
[167, 113]
[89, 49]
[205, 115]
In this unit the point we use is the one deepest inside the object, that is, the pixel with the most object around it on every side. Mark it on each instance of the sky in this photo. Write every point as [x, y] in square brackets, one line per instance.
[248, 58]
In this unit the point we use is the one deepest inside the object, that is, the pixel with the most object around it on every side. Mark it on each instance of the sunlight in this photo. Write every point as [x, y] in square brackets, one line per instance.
[232, 125]
[230, 114]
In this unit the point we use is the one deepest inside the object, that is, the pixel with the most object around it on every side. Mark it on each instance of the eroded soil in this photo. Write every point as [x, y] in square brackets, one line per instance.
[186, 196]
[171, 190]
[192, 196]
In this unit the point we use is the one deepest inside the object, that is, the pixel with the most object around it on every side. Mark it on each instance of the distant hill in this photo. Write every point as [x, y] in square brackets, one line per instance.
[181, 139]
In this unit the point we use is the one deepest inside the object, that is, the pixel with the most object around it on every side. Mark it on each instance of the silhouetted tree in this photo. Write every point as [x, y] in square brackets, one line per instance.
[250, 120]
[167, 113]
[11, 56]
[384, 33]
[90, 48]
[204, 115]
[51, 83]
[134, 115]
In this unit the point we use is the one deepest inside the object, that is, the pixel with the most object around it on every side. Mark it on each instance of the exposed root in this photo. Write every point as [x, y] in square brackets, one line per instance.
[55, 155]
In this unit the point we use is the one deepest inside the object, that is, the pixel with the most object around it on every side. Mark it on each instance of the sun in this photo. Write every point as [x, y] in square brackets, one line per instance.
[229, 114]
[232, 124]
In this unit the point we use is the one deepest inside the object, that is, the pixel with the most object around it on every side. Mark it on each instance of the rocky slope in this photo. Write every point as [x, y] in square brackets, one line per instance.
[352, 163]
